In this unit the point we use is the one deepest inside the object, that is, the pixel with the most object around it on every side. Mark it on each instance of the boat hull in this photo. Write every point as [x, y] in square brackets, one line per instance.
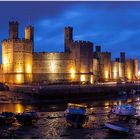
[76, 120]
[117, 127]
[7, 118]
[124, 111]
[27, 118]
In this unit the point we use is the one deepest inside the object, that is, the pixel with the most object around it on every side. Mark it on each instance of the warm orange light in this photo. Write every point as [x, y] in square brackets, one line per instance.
[19, 108]
[106, 104]
[5, 61]
[83, 78]
[115, 75]
[129, 76]
[53, 66]
[19, 70]
[28, 68]
[139, 74]
[91, 79]
[18, 78]
[106, 74]
[72, 72]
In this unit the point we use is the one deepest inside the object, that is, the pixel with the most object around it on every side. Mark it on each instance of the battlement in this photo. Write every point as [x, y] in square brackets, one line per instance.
[50, 53]
[68, 27]
[83, 43]
[19, 40]
[13, 22]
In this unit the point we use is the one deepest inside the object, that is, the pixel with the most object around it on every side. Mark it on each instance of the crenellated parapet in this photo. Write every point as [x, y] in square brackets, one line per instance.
[83, 43]
[19, 40]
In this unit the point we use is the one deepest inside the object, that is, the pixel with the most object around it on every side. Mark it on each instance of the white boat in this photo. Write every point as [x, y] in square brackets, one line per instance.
[76, 115]
[124, 110]
[118, 127]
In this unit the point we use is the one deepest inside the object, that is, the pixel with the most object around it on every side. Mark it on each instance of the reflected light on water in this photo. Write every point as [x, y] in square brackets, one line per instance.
[120, 102]
[106, 104]
[19, 108]
[16, 108]
[129, 100]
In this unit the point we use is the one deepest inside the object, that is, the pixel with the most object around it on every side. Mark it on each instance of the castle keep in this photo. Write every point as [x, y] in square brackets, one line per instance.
[78, 63]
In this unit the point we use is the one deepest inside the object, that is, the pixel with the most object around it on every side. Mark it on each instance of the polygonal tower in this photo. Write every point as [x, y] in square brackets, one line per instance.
[68, 38]
[13, 30]
[29, 33]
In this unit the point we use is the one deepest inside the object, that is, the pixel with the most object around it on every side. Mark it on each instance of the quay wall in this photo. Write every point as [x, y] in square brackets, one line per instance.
[72, 91]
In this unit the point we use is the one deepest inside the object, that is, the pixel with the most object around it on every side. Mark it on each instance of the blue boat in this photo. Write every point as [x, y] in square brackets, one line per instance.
[117, 127]
[76, 115]
[124, 110]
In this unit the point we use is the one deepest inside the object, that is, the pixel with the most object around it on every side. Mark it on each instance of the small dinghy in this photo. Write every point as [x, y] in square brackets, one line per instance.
[7, 118]
[124, 110]
[27, 118]
[117, 127]
[76, 115]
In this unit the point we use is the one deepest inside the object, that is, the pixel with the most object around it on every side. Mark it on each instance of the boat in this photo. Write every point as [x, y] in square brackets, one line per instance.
[7, 118]
[124, 110]
[76, 114]
[27, 118]
[117, 127]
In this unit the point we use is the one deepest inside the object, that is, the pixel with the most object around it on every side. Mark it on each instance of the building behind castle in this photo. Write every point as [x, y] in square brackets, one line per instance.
[78, 63]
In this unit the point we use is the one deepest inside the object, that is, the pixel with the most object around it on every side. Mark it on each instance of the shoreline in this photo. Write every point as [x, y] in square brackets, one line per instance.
[67, 93]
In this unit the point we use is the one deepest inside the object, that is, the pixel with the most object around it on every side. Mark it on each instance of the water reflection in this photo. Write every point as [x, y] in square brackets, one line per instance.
[19, 108]
[58, 128]
[16, 108]
[106, 104]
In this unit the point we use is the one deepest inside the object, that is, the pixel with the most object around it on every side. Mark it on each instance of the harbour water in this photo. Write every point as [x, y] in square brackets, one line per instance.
[56, 126]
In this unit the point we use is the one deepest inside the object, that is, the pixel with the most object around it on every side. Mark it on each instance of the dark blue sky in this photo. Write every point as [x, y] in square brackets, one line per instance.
[113, 25]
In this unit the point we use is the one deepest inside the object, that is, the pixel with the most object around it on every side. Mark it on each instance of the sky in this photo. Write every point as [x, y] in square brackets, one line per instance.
[113, 25]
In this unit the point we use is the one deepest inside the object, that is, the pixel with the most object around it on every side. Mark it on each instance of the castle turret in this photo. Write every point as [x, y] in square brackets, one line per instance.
[98, 48]
[13, 30]
[122, 57]
[68, 37]
[29, 33]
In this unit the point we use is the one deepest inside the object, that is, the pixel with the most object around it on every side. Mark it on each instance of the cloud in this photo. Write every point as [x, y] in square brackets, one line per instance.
[113, 25]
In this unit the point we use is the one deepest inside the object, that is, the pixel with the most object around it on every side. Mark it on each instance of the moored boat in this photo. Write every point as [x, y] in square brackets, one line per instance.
[76, 115]
[7, 118]
[117, 127]
[124, 110]
[27, 118]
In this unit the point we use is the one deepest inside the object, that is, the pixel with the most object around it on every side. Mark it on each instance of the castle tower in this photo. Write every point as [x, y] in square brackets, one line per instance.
[29, 33]
[68, 37]
[98, 48]
[122, 57]
[13, 30]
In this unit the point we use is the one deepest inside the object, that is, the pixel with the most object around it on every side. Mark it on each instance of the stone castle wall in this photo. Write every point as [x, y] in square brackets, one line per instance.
[53, 67]
[78, 63]
[17, 60]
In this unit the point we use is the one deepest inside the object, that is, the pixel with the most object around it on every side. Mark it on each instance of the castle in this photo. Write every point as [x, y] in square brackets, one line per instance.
[78, 63]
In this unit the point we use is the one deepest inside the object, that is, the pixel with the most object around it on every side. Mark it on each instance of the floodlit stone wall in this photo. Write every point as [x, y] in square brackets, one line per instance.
[53, 67]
